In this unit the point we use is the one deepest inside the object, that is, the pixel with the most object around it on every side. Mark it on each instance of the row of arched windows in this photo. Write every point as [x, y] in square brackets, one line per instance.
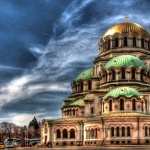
[79, 87]
[122, 106]
[134, 42]
[65, 134]
[92, 133]
[120, 132]
[147, 131]
[70, 112]
[112, 76]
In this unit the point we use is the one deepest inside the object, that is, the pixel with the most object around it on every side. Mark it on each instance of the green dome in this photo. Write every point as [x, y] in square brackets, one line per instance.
[122, 91]
[85, 75]
[124, 61]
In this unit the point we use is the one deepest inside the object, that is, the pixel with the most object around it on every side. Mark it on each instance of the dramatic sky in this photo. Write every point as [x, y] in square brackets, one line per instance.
[44, 44]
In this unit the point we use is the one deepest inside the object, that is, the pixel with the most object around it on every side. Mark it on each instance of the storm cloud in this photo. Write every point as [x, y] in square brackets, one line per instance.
[44, 44]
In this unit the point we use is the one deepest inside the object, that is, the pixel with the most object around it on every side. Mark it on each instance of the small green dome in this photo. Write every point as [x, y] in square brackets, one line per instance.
[122, 91]
[124, 61]
[85, 75]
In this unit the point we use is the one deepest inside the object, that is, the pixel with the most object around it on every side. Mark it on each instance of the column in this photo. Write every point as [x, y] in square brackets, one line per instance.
[128, 74]
[120, 132]
[139, 42]
[117, 74]
[125, 131]
[85, 86]
[120, 42]
[138, 74]
[108, 134]
[111, 44]
[130, 42]
[108, 75]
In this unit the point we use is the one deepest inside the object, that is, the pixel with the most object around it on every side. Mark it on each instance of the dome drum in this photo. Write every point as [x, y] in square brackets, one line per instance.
[129, 35]
[124, 105]
[124, 68]
[123, 99]
[123, 75]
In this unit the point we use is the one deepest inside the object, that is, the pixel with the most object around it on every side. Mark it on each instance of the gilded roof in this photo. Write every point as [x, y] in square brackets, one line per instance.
[124, 61]
[85, 75]
[126, 27]
[122, 91]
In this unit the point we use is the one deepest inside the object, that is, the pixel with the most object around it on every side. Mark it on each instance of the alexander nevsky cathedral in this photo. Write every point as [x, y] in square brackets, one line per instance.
[110, 102]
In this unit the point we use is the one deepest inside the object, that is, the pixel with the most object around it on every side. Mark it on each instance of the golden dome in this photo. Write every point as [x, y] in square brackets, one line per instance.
[126, 27]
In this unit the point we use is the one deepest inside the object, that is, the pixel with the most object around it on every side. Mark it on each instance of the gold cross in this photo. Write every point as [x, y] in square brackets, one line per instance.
[126, 18]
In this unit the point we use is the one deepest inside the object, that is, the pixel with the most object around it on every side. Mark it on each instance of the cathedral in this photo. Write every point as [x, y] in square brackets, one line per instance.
[110, 102]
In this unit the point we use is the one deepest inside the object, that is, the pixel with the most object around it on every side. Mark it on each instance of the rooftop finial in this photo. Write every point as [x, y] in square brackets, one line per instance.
[126, 18]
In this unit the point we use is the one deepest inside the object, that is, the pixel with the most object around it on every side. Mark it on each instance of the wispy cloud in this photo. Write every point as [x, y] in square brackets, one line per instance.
[72, 46]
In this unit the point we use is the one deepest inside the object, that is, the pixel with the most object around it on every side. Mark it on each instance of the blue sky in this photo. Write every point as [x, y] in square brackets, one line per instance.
[44, 44]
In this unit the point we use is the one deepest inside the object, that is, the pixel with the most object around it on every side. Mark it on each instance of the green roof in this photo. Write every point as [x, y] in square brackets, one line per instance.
[79, 102]
[85, 75]
[124, 61]
[75, 102]
[122, 91]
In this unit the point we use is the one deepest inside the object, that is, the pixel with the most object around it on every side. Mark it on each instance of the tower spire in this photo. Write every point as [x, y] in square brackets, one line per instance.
[126, 18]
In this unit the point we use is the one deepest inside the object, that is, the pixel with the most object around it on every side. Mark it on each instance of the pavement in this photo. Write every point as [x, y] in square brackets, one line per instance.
[117, 147]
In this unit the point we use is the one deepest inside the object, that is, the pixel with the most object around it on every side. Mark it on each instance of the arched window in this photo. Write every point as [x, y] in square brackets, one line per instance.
[45, 141]
[92, 133]
[112, 131]
[92, 110]
[123, 131]
[148, 44]
[73, 112]
[113, 74]
[116, 42]
[146, 105]
[141, 75]
[96, 133]
[146, 131]
[134, 42]
[128, 131]
[76, 88]
[108, 44]
[133, 104]
[142, 106]
[110, 105]
[133, 74]
[65, 133]
[105, 77]
[72, 134]
[142, 43]
[121, 104]
[89, 85]
[58, 134]
[81, 86]
[125, 41]
[117, 134]
[123, 75]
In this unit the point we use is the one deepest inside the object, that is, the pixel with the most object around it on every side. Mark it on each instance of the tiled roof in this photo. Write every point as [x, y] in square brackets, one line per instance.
[124, 61]
[122, 91]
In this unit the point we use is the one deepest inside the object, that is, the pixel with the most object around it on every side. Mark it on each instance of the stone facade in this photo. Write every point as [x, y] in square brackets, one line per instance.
[110, 102]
